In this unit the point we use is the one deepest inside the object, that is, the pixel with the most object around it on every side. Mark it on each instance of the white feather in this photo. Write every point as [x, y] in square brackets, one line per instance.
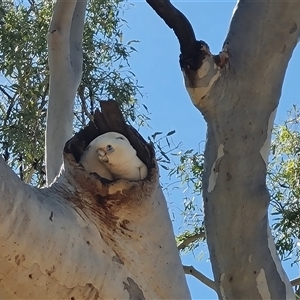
[92, 164]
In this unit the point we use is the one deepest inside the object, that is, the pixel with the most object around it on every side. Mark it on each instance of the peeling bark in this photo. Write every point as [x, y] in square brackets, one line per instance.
[88, 238]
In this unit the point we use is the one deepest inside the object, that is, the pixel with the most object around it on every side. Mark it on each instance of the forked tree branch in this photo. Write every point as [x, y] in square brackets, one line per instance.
[190, 270]
[194, 53]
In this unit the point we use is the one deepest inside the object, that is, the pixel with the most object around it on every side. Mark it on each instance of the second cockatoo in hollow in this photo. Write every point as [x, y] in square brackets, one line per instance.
[111, 156]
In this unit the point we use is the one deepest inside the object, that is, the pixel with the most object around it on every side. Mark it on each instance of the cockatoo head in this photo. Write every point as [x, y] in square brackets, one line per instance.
[113, 148]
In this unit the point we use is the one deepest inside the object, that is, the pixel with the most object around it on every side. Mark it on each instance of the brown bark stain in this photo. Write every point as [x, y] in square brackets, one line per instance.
[117, 259]
[91, 292]
[135, 293]
[108, 203]
[19, 259]
[228, 176]
[124, 223]
[293, 28]
[51, 271]
[51, 216]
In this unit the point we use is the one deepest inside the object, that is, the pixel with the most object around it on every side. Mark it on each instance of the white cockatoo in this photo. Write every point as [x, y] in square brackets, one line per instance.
[92, 164]
[111, 156]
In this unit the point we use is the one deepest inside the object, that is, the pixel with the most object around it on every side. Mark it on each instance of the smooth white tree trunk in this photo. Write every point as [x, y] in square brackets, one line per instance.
[239, 103]
[81, 239]
[65, 64]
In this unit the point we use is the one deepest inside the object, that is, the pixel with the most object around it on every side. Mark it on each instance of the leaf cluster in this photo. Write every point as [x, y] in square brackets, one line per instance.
[189, 170]
[284, 185]
[24, 77]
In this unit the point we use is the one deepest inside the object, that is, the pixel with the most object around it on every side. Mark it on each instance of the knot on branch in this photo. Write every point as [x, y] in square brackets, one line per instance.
[193, 53]
[193, 60]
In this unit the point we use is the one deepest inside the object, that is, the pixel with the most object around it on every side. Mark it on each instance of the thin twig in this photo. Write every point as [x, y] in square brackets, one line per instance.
[11, 105]
[5, 93]
[80, 93]
[190, 270]
[190, 239]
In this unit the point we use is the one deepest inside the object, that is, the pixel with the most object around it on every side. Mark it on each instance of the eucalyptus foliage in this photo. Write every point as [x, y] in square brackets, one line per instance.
[284, 185]
[189, 170]
[24, 77]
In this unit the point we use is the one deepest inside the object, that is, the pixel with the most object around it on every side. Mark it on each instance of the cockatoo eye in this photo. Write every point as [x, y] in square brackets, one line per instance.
[120, 138]
[110, 149]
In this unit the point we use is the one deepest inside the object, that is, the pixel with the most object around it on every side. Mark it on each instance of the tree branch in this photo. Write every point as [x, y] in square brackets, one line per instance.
[65, 63]
[177, 21]
[190, 270]
[194, 54]
[2, 89]
[76, 36]
[83, 104]
[190, 239]
[295, 281]
[252, 86]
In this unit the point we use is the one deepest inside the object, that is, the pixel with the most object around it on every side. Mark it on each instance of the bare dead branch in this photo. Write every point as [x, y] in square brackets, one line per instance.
[190, 239]
[190, 270]
[192, 51]
[83, 104]
[177, 21]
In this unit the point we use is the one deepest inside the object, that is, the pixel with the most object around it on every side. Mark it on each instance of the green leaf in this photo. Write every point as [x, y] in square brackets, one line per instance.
[171, 132]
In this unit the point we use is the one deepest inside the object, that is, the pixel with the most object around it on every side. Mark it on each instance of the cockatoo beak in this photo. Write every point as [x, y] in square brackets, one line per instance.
[102, 154]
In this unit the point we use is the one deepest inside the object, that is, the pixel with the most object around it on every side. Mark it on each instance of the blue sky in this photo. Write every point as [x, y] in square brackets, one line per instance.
[157, 69]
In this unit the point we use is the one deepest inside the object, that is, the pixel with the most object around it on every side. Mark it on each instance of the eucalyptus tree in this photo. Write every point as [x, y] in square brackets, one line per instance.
[238, 92]
[84, 237]
[115, 237]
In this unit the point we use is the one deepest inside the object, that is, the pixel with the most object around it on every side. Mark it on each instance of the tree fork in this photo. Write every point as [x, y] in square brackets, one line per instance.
[114, 237]
[200, 67]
